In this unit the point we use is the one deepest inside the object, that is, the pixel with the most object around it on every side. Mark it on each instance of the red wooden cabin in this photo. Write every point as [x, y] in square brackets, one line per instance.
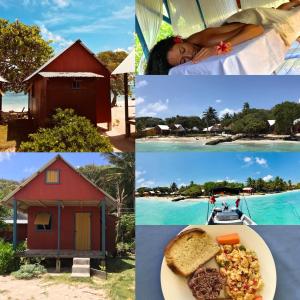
[73, 79]
[68, 215]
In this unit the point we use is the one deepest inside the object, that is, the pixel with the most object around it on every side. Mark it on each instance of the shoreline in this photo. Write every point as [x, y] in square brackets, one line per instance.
[203, 140]
[205, 199]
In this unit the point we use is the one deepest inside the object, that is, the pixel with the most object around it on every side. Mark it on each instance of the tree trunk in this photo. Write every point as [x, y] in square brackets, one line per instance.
[114, 101]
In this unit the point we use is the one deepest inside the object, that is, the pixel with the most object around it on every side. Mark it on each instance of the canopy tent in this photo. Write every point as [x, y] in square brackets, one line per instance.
[185, 20]
[126, 67]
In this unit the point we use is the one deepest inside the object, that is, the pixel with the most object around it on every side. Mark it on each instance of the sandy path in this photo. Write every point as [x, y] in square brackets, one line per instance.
[39, 289]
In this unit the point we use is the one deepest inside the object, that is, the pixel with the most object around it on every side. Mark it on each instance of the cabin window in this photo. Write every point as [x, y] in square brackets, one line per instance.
[52, 176]
[43, 221]
[76, 84]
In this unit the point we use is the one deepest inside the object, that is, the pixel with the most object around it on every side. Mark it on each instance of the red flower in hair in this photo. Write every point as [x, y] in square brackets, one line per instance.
[177, 39]
[223, 48]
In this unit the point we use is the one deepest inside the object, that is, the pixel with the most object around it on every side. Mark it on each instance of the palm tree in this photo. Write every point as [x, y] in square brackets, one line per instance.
[210, 116]
[246, 107]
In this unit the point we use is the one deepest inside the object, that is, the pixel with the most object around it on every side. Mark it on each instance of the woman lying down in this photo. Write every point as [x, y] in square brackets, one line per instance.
[240, 27]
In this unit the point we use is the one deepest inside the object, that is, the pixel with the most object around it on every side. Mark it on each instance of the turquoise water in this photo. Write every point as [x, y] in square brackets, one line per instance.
[274, 209]
[223, 147]
[14, 101]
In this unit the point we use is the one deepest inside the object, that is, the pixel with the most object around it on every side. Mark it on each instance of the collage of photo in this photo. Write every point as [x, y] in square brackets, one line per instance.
[149, 149]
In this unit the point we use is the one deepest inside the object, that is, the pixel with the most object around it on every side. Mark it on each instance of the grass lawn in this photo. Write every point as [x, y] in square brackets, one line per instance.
[4, 143]
[120, 283]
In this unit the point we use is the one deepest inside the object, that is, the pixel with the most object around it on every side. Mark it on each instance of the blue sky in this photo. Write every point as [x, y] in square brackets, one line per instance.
[164, 96]
[18, 166]
[161, 169]
[100, 24]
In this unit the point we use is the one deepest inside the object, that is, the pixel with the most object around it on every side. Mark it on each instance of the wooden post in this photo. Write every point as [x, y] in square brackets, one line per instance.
[15, 217]
[126, 105]
[103, 228]
[57, 265]
[58, 226]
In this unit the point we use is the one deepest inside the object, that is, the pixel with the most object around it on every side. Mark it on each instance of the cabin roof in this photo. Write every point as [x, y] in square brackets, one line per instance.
[271, 122]
[109, 198]
[296, 121]
[59, 54]
[21, 219]
[163, 127]
[2, 79]
[69, 74]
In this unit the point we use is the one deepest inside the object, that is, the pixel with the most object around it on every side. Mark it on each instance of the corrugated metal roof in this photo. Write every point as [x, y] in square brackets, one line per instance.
[164, 127]
[69, 74]
[2, 79]
[271, 122]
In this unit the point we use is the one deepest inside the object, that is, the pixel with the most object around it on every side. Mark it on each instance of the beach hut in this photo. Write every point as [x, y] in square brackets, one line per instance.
[195, 129]
[162, 129]
[149, 131]
[2, 80]
[75, 79]
[248, 190]
[178, 129]
[271, 125]
[68, 215]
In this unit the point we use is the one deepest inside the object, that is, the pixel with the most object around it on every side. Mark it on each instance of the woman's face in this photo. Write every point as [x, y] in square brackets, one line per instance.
[181, 53]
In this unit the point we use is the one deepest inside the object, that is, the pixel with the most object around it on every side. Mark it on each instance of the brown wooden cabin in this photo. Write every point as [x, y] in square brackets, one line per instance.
[76, 79]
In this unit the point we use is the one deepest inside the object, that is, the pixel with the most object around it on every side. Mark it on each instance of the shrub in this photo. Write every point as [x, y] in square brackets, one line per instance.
[8, 261]
[123, 249]
[30, 271]
[69, 133]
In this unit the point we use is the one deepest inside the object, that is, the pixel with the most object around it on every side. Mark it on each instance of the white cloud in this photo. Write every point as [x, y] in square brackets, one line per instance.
[139, 100]
[6, 156]
[247, 159]
[141, 83]
[152, 109]
[126, 12]
[29, 170]
[267, 178]
[57, 39]
[229, 111]
[218, 100]
[261, 161]
[139, 173]
[61, 3]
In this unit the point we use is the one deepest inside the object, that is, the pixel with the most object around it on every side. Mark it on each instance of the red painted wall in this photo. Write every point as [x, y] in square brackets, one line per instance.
[93, 101]
[77, 59]
[48, 239]
[72, 186]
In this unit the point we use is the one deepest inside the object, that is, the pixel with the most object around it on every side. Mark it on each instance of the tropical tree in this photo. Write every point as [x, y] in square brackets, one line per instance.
[22, 51]
[111, 59]
[246, 107]
[174, 187]
[210, 116]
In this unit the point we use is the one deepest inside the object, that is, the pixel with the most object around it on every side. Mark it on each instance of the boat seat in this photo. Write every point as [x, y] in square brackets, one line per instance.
[227, 216]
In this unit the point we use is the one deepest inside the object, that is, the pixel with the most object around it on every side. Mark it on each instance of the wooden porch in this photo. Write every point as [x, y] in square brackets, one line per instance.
[50, 253]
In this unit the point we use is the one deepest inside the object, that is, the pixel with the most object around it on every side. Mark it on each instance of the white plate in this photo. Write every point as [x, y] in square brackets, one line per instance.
[175, 286]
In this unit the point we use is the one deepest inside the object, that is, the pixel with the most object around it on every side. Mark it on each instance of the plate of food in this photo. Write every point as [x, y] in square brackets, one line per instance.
[218, 262]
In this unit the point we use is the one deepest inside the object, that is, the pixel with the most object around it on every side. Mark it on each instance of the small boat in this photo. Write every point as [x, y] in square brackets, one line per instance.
[225, 214]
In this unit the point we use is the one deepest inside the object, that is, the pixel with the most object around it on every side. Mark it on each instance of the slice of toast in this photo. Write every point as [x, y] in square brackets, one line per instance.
[189, 250]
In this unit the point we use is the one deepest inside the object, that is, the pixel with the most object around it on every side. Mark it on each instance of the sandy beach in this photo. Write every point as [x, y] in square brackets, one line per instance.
[117, 133]
[204, 139]
[221, 198]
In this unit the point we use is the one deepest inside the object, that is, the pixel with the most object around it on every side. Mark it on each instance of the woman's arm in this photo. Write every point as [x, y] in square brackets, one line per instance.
[236, 36]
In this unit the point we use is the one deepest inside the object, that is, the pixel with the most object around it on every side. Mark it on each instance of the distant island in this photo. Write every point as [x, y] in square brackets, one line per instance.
[196, 190]
[280, 123]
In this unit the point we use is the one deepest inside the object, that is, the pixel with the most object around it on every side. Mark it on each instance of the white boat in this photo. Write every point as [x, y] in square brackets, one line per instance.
[227, 215]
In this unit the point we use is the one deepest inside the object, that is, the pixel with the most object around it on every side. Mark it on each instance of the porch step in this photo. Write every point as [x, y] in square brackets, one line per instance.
[81, 267]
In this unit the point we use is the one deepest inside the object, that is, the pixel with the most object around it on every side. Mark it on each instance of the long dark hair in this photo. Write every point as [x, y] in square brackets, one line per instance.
[158, 63]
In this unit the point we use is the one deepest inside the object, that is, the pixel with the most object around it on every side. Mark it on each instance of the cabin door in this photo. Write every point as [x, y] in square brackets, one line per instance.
[83, 231]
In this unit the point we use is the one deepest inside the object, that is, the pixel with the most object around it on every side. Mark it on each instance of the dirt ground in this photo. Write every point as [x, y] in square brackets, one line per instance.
[41, 289]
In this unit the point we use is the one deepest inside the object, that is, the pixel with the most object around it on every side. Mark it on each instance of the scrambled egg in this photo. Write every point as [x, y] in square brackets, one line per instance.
[241, 267]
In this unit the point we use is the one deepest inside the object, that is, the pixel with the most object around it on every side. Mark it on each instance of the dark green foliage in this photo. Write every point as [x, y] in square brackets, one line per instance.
[126, 242]
[210, 116]
[186, 122]
[8, 261]
[69, 133]
[30, 271]
[193, 191]
[252, 124]
[22, 51]
[285, 114]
